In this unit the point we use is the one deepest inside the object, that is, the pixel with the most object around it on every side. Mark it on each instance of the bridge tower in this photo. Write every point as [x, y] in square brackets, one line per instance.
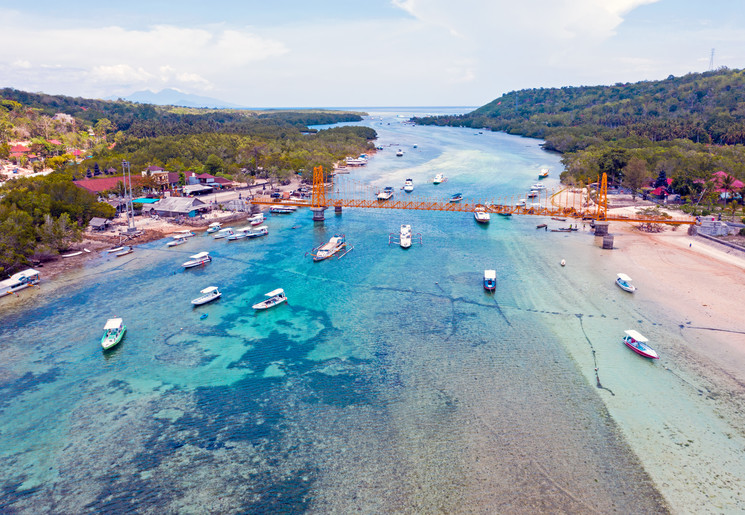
[602, 198]
[318, 195]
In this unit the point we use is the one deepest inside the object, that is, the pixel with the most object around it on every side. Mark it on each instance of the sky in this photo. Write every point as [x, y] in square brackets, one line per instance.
[343, 53]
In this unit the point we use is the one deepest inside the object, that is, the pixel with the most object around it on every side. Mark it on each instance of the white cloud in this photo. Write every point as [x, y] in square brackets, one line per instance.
[21, 63]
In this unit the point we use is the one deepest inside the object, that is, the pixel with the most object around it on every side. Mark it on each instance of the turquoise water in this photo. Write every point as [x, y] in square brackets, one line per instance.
[390, 381]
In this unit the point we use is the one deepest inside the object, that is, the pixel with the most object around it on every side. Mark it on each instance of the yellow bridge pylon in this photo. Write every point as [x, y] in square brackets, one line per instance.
[566, 202]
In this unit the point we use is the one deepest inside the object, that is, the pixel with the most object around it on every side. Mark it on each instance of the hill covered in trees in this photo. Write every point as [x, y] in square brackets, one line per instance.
[687, 127]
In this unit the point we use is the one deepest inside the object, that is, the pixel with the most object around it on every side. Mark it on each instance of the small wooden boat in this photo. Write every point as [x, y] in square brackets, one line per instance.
[624, 282]
[490, 280]
[213, 227]
[117, 249]
[113, 332]
[541, 226]
[208, 295]
[72, 254]
[125, 252]
[327, 250]
[638, 344]
[457, 197]
[275, 297]
[201, 258]
[558, 219]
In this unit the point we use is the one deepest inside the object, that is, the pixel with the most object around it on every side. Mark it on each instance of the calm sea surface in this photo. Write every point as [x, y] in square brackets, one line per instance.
[390, 382]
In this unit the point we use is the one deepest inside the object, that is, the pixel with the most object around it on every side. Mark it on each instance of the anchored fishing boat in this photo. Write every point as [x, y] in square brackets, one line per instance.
[638, 344]
[19, 281]
[113, 332]
[624, 282]
[408, 186]
[201, 258]
[208, 295]
[490, 280]
[213, 227]
[327, 250]
[481, 215]
[275, 297]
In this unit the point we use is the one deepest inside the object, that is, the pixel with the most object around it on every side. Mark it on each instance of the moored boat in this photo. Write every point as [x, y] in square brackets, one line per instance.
[408, 186]
[223, 233]
[386, 194]
[538, 186]
[404, 237]
[113, 332]
[283, 210]
[490, 280]
[356, 161]
[183, 234]
[19, 281]
[438, 178]
[258, 231]
[457, 197]
[213, 227]
[400, 152]
[239, 234]
[638, 344]
[208, 295]
[506, 214]
[624, 282]
[275, 297]
[125, 252]
[176, 241]
[202, 258]
[543, 174]
[481, 215]
[334, 245]
[257, 219]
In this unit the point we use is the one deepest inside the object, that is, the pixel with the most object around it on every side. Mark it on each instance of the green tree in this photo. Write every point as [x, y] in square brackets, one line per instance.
[635, 175]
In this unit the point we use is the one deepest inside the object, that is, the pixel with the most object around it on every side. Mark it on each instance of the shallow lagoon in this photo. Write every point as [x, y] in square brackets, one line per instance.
[389, 382]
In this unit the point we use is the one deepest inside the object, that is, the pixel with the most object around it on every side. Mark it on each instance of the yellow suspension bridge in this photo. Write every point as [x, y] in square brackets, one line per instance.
[564, 202]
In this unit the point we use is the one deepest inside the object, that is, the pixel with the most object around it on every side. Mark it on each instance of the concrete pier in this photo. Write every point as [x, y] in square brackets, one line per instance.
[318, 214]
[337, 210]
[601, 228]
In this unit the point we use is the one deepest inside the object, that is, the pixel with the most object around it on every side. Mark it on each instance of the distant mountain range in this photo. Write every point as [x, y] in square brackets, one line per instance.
[172, 97]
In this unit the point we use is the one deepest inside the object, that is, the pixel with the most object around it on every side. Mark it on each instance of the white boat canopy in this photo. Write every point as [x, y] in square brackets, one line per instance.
[209, 289]
[636, 336]
[200, 255]
[215, 224]
[113, 323]
[624, 277]
[278, 291]
[490, 274]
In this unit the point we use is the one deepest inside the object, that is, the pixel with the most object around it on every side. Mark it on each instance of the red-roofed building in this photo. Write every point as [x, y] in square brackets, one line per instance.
[104, 183]
[208, 180]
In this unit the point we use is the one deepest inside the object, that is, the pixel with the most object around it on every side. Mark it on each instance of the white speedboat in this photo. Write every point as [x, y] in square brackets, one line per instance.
[239, 234]
[275, 297]
[257, 219]
[19, 281]
[258, 231]
[176, 241]
[213, 227]
[201, 258]
[490, 280]
[208, 295]
[223, 233]
[327, 250]
[638, 344]
[543, 174]
[438, 178]
[282, 210]
[113, 332]
[386, 194]
[408, 186]
[624, 282]
[404, 238]
[481, 215]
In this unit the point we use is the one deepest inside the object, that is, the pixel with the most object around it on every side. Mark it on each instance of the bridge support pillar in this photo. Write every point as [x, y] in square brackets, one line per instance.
[337, 210]
[318, 214]
[601, 228]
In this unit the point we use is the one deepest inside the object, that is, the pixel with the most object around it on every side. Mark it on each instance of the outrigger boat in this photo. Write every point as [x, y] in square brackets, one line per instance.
[239, 234]
[624, 282]
[275, 297]
[213, 227]
[490, 280]
[19, 281]
[223, 233]
[259, 231]
[408, 186]
[481, 215]
[638, 344]
[113, 332]
[457, 197]
[438, 178]
[198, 259]
[208, 295]
[543, 174]
[125, 252]
[327, 250]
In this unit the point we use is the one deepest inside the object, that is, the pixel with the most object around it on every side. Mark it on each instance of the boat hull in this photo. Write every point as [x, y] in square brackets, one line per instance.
[490, 285]
[640, 348]
[112, 341]
[269, 303]
[625, 286]
[205, 299]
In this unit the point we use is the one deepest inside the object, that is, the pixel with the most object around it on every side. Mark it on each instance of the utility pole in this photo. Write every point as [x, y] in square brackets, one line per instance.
[711, 61]
[130, 208]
